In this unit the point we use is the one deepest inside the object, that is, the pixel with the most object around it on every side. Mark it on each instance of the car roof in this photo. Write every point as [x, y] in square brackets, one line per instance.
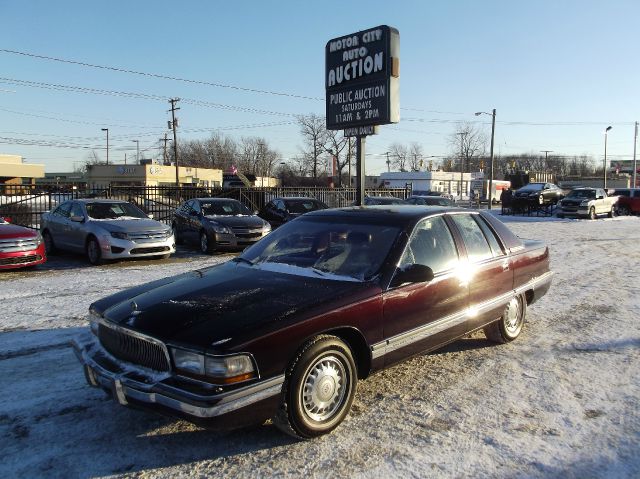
[285, 198]
[208, 199]
[392, 213]
[98, 200]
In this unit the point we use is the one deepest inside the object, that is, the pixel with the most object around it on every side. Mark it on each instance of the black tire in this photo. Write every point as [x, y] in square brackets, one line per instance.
[176, 238]
[612, 212]
[592, 213]
[319, 389]
[510, 325]
[49, 245]
[624, 211]
[207, 245]
[92, 249]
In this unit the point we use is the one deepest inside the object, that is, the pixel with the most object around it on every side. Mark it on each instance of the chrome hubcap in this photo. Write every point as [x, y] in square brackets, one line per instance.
[513, 317]
[204, 243]
[324, 388]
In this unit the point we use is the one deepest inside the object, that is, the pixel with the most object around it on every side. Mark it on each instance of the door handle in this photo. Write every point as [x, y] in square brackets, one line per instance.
[505, 266]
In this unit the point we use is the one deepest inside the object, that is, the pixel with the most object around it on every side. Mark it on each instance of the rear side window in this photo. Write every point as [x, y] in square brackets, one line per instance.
[477, 245]
[496, 247]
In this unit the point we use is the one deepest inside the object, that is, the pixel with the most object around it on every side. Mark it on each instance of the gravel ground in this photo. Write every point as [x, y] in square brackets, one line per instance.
[561, 401]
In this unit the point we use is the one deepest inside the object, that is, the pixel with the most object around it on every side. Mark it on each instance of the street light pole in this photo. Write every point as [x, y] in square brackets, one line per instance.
[493, 133]
[107, 130]
[462, 137]
[605, 157]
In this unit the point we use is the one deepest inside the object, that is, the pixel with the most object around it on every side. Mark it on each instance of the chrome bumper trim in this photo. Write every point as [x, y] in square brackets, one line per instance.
[126, 388]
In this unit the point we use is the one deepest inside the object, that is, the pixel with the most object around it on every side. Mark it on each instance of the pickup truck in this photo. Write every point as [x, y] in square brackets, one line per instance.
[587, 203]
[628, 201]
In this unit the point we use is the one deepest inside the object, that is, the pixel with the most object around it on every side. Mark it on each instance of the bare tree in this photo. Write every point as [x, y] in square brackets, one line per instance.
[415, 157]
[467, 143]
[91, 159]
[314, 134]
[399, 155]
[256, 157]
[338, 146]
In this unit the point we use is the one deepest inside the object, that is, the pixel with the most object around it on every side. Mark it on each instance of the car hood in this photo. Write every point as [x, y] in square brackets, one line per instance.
[237, 221]
[228, 304]
[130, 225]
[9, 231]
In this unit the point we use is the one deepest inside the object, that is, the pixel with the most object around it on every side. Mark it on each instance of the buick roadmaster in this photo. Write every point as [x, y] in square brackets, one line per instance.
[288, 328]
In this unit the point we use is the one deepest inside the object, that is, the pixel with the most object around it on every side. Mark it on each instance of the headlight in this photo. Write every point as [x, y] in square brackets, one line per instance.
[218, 228]
[39, 239]
[119, 235]
[221, 369]
[94, 321]
[584, 203]
[266, 228]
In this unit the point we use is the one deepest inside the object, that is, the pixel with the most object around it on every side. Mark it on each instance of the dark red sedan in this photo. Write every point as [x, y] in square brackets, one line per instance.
[288, 328]
[19, 246]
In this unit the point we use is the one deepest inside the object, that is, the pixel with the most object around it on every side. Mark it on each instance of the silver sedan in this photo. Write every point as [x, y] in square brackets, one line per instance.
[105, 229]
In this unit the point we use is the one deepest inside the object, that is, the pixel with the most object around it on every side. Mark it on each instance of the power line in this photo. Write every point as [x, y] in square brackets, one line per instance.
[157, 75]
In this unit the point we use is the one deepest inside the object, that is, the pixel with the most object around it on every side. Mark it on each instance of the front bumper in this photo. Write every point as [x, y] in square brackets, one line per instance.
[115, 248]
[234, 241]
[177, 396]
[22, 259]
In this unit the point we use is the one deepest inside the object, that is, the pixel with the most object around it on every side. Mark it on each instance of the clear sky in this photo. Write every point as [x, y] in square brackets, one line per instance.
[557, 71]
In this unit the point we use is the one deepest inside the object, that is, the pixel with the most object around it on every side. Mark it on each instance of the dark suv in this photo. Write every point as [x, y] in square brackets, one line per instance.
[539, 194]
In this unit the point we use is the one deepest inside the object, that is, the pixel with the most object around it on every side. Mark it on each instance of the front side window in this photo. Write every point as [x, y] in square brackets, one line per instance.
[478, 248]
[76, 210]
[63, 210]
[432, 245]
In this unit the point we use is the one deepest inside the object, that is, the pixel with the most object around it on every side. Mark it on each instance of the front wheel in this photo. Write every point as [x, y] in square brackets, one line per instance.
[176, 238]
[319, 389]
[94, 255]
[624, 211]
[49, 245]
[207, 245]
[509, 326]
[612, 212]
[592, 213]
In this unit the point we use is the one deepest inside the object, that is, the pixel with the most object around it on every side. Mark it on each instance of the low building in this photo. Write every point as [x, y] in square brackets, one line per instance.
[103, 176]
[422, 181]
[14, 171]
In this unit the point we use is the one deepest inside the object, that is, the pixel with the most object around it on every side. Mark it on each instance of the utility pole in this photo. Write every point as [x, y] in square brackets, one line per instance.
[546, 158]
[164, 154]
[107, 130]
[388, 163]
[137, 142]
[174, 126]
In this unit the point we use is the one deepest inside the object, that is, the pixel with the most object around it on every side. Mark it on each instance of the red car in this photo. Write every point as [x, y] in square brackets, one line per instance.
[19, 246]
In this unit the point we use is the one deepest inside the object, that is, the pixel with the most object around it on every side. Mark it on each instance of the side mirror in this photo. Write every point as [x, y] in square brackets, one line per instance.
[150, 216]
[413, 273]
[77, 219]
[599, 197]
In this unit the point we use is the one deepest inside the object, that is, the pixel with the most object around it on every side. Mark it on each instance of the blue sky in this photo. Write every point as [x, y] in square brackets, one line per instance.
[558, 73]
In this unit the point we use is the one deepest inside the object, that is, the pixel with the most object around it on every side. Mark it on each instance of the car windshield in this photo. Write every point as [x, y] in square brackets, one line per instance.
[224, 208]
[582, 194]
[532, 187]
[111, 211]
[322, 247]
[301, 206]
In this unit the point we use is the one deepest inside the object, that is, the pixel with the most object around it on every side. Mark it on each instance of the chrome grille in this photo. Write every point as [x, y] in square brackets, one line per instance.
[149, 236]
[15, 245]
[134, 348]
[247, 233]
[32, 258]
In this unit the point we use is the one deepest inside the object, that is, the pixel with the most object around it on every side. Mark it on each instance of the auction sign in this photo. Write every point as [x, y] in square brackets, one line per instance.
[362, 79]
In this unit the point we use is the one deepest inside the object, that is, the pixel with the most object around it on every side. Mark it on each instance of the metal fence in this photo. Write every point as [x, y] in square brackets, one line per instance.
[24, 204]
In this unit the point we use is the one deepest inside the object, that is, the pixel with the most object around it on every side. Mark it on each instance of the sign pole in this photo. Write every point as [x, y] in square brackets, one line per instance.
[360, 146]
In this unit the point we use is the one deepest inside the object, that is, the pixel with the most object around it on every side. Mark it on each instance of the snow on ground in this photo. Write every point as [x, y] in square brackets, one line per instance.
[561, 401]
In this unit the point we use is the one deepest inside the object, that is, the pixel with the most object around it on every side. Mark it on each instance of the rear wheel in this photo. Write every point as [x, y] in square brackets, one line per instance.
[509, 326]
[94, 255]
[319, 389]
